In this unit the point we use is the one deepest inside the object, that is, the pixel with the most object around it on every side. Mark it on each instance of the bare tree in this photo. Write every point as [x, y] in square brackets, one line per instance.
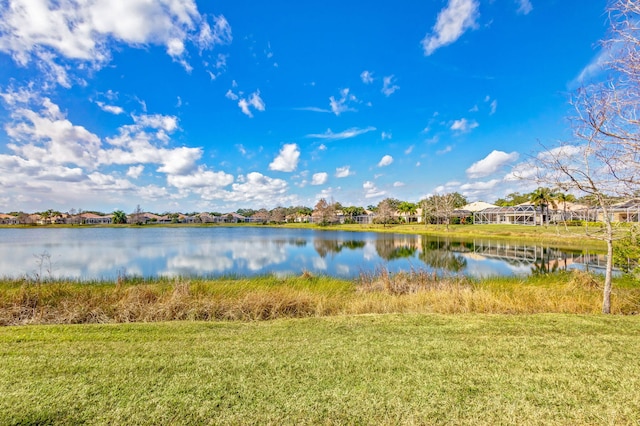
[440, 208]
[325, 213]
[137, 217]
[602, 161]
[386, 211]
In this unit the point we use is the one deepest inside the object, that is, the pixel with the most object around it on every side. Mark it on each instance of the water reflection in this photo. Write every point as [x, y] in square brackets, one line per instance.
[444, 255]
[89, 253]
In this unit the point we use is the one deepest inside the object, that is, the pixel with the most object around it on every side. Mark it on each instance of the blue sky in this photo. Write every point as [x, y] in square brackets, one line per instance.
[185, 105]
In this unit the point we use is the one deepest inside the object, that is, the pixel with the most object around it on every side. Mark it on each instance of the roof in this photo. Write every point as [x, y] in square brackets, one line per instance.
[477, 206]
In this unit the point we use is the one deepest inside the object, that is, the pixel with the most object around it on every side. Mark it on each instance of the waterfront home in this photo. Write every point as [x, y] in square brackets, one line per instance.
[95, 219]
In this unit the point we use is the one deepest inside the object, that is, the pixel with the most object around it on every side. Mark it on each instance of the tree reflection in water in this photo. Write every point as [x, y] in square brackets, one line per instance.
[438, 255]
[326, 246]
[392, 247]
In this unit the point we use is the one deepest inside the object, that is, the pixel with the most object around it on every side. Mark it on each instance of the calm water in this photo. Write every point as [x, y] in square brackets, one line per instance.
[88, 253]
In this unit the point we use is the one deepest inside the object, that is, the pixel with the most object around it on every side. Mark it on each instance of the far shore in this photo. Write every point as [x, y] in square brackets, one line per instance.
[555, 234]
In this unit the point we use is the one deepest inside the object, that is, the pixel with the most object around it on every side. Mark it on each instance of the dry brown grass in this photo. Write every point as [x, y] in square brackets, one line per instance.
[266, 298]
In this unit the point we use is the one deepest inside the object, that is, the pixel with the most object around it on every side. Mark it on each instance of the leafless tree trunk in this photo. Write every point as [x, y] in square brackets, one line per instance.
[603, 159]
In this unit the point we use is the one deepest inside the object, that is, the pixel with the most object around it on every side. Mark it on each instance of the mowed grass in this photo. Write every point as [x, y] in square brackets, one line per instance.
[270, 297]
[369, 369]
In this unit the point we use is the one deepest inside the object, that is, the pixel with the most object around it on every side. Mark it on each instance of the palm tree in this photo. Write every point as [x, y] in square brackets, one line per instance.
[408, 209]
[565, 198]
[543, 197]
[119, 217]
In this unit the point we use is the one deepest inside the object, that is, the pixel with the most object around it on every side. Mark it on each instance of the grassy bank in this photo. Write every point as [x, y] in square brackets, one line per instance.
[270, 297]
[374, 369]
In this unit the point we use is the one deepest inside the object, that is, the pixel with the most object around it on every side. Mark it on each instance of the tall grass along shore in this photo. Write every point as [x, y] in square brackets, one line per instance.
[271, 297]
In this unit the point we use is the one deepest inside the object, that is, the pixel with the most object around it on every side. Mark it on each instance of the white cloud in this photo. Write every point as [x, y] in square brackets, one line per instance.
[134, 172]
[201, 178]
[338, 106]
[319, 178]
[287, 159]
[48, 137]
[244, 106]
[254, 101]
[343, 172]
[389, 86]
[112, 109]
[562, 152]
[398, 184]
[385, 161]
[386, 135]
[231, 95]
[444, 150]
[491, 163]
[480, 186]
[521, 171]
[494, 107]
[463, 125]
[258, 189]
[313, 109]
[50, 33]
[220, 34]
[370, 190]
[409, 150]
[452, 22]
[167, 123]
[524, 6]
[346, 134]
[367, 77]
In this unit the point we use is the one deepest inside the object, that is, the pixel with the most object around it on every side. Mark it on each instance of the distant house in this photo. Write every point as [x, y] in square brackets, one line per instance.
[233, 218]
[261, 216]
[95, 219]
[626, 211]
[522, 214]
[7, 219]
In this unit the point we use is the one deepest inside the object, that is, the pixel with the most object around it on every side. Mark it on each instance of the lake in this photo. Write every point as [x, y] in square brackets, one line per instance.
[105, 253]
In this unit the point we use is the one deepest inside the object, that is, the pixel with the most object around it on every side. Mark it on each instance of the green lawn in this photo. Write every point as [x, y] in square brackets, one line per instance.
[369, 369]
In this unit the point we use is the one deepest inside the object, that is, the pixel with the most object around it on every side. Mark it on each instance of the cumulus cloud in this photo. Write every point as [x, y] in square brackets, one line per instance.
[257, 188]
[342, 104]
[452, 22]
[389, 86]
[491, 163]
[112, 109]
[319, 178]
[343, 172]
[287, 159]
[366, 77]
[134, 172]
[168, 123]
[371, 191]
[385, 161]
[253, 102]
[50, 33]
[480, 186]
[46, 136]
[346, 134]
[463, 125]
[201, 178]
